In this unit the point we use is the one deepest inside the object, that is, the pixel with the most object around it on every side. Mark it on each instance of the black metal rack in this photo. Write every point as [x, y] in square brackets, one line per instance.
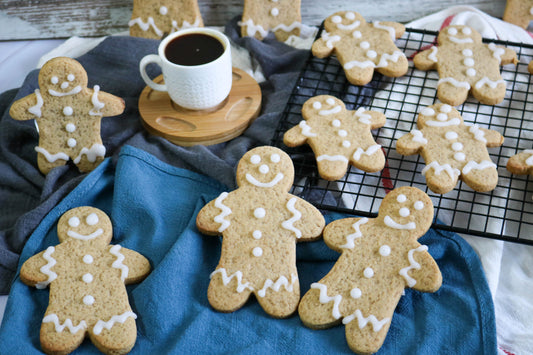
[506, 213]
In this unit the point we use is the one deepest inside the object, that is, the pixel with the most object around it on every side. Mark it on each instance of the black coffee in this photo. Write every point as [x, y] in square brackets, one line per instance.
[193, 49]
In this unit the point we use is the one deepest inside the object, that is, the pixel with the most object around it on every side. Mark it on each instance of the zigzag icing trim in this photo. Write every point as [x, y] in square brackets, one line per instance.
[36, 110]
[439, 168]
[357, 234]
[117, 264]
[371, 150]
[376, 324]
[412, 265]
[226, 211]
[324, 298]
[52, 318]
[485, 164]
[276, 286]
[46, 268]
[145, 26]
[296, 216]
[226, 279]
[100, 325]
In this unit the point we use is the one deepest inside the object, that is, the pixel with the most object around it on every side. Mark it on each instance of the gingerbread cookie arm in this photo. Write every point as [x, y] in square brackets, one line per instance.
[138, 267]
[37, 270]
[105, 104]
[521, 163]
[426, 60]
[342, 233]
[377, 119]
[212, 218]
[397, 27]
[306, 221]
[422, 273]
[411, 143]
[27, 108]
[493, 138]
[298, 135]
[503, 54]
[324, 47]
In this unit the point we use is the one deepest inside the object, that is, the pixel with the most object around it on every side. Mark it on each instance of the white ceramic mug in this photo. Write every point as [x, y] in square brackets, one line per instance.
[196, 87]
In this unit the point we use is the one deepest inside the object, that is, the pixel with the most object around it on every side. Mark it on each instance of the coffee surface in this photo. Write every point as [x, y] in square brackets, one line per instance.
[193, 49]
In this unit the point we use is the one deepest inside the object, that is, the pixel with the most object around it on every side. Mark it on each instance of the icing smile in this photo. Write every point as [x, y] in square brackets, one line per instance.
[93, 235]
[393, 224]
[74, 91]
[271, 183]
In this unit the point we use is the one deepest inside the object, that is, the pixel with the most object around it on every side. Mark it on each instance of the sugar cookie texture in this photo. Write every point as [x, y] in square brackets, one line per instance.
[521, 163]
[282, 17]
[156, 18]
[87, 278]
[465, 64]
[362, 47]
[68, 116]
[380, 257]
[338, 136]
[260, 223]
[519, 12]
[452, 150]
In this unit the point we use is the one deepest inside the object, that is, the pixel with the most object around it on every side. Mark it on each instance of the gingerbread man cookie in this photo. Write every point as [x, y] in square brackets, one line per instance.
[380, 257]
[521, 163]
[338, 136]
[465, 64]
[279, 16]
[519, 12]
[260, 223]
[87, 278]
[157, 18]
[362, 47]
[67, 115]
[452, 150]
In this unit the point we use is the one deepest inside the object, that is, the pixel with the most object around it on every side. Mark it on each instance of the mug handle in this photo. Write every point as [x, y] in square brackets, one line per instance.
[151, 58]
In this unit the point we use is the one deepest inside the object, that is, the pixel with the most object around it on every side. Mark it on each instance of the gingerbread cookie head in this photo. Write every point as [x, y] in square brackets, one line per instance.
[282, 17]
[345, 22]
[266, 167]
[62, 78]
[85, 224]
[439, 115]
[407, 211]
[457, 34]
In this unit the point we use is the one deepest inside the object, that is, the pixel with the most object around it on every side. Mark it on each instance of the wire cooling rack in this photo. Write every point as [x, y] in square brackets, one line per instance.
[506, 213]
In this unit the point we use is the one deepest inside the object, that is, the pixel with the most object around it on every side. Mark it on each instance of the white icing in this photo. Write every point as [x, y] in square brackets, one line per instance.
[306, 129]
[385, 57]
[257, 251]
[418, 136]
[471, 72]
[275, 158]
[88, 300]
[370, 150]
[454, 82]
[461, 40]
[64, 85]
[100, 325]
[469, 62]
[87, 278]
[451, 135]
[336, 123]
[478, 133]
[433, 55]
[276, 286]
[497, 52]
[331, 111]
[257, 234]
[362, 65]
[54, 80]
[329, 39]
[368, 273]
[47, 255]
[459, 156]
[453, 122]
[428, 111]
[384, 250]
[86, 237]
[467, 31]
[445, 108]
[438, 168]
[271, 183]
[145, 26]
[92, 219]
[259, 213]
[363, 117]
[348, 15]
[252, 28]
[457, 146]
[118, 263]
[264, 169]
[88, 259]
[467, 52]
[342, 133]
[330, 101]
[371, 54]
[255, 159]
[68, 111]
[336, 19]
[442, 117]
[163, 10]
[52, 318]
[389, 29]
[74, 91]
[332, 158]
[419, 205]
[349, 27]
[364, 45]
[274, 12]
[412, 265]
[296, 216]
[401, 198]
[97, 104]
[485, 164]
[529, 161]
[404, 212]
[324, 298]
[226, 279]
[70, 127]
[452, 31]
[317, 105]
[96, 150]
[362, 321]
[185, 24]
[74, 222]
[36, 110]
[393, 224]
[71, 142]
[357, 234]
[491, 83]
[346, 144]
[71, 77]
[226, 211]
[51, 157]
[357, 34]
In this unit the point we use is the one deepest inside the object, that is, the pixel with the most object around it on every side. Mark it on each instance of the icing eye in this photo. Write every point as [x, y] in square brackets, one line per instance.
[428, 111]
[452, 31]
[336, 19]
[404, 212]
[71, 77]
[446, 108]
[350, 16]
[74, 222]
[54, 80]
[92, 219]
[419, 205]
[255, 159]
[467, 31]
[64, 85]
[163, 10]
[317, 105]
[263, 169]
[401, 198]
[275, 158]
[330, 101]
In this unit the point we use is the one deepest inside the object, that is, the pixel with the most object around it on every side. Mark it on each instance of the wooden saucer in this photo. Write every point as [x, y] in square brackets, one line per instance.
[181, 126]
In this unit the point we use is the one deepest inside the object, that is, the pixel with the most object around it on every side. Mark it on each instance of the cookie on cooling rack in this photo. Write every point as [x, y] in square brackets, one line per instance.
[518, 12]
[521, 163]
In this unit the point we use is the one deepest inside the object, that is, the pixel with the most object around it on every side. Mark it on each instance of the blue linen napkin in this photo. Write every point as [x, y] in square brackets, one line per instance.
[153, 208]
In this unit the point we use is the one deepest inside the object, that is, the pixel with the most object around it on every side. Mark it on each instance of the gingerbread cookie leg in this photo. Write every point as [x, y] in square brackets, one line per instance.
[452, 92]
[370, 159]
[489, 92]
[480, 176]
[281, 302]
[116, 335]
[54, 341]
[46, 164]
[440, 178]
[365, 333]
[227, 293]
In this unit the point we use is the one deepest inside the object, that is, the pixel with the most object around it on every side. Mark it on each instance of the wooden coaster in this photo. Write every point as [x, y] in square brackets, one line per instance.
[162, 117]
